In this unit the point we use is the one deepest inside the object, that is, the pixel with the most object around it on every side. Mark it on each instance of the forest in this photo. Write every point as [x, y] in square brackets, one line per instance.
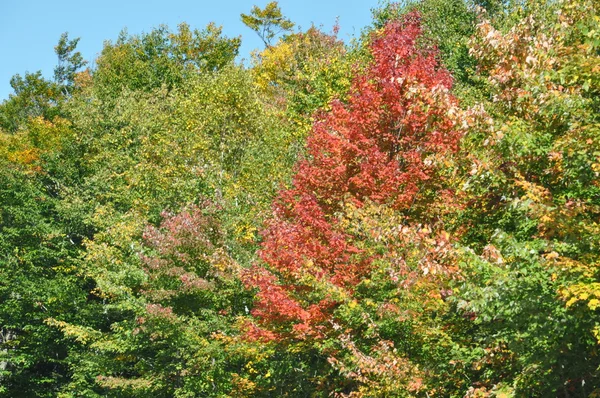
[412, 213]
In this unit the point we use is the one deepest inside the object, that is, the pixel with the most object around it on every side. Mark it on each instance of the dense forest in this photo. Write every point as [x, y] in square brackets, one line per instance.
[415, 213]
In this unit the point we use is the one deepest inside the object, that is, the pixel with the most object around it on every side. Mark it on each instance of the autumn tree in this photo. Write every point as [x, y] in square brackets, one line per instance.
[185, 314]
[386, 148]
[303, 73]
[532, 202]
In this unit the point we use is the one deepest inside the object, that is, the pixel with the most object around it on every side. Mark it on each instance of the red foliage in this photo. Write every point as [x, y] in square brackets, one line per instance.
[381, 147]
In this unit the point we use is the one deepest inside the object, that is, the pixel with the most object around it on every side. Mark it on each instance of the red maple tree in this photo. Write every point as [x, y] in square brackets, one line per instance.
[384, 146]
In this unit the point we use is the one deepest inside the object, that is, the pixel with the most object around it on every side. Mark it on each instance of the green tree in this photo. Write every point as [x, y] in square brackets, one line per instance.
[33, 96]
[268, 22]
[38, 280]
[161, 58]
[69, 62]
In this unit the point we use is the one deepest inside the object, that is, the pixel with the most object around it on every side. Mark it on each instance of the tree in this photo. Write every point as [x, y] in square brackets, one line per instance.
[161, 58]
[185, 313]
[38, 280]
[532, 206]
[268, 22]
[137, 154]
[448, 25]
[303, 73]
[33, 96]
[69, 62]
[387, 146]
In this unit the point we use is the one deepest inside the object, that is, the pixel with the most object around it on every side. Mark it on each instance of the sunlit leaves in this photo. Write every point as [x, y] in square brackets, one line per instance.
[384, 147]
[267, 22]
[161, 58]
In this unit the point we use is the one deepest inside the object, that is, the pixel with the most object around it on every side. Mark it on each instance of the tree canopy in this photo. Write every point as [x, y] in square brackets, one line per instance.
[412, 214]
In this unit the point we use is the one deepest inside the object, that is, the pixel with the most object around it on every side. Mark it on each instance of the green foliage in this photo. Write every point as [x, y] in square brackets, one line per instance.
[525, 332]
[184, 304]
[268, 22]
[132, 196]
[69, 62]
[34, 96]
[161, 58]
[449, 25]
[37, 280]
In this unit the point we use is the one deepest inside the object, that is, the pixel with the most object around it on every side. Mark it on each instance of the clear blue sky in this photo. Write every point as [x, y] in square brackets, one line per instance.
[29, 29]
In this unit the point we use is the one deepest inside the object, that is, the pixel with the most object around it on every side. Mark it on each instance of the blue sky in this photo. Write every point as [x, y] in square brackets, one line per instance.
[29, 29]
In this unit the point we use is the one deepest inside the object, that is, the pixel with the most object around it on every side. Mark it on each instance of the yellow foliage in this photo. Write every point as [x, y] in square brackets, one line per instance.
[82, 334]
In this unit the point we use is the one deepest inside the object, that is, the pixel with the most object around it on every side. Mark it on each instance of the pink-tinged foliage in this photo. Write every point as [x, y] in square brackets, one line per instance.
[186, 254]
[184, 238]
[383, 146]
